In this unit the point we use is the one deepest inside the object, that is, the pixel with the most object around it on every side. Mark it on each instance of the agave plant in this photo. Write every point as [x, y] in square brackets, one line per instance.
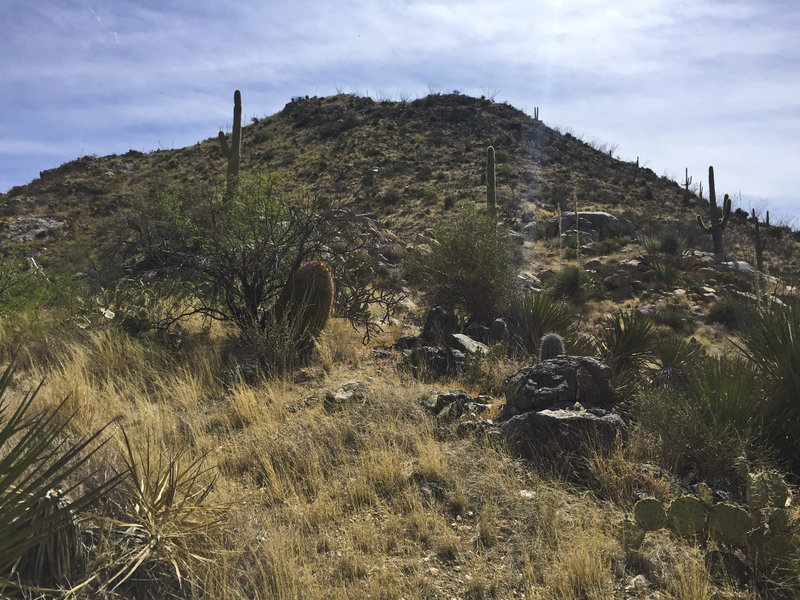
[675, 358]
[36, 497]
[772, 344]
[728, 390]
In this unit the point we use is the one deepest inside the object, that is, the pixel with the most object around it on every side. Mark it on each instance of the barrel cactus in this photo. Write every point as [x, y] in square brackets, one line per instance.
[307, 299]
[552, 346]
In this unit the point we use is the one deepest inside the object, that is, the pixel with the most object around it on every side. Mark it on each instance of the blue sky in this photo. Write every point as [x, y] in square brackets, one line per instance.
[679, 83]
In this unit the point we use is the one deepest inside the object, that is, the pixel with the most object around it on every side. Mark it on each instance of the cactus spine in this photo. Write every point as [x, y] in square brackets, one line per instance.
[761, 243]
[552, 346]
[491, 183]
[233, 153]
[717, 222]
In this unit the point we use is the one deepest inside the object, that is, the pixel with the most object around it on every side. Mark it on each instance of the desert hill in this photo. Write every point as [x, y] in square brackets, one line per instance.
[644, 448]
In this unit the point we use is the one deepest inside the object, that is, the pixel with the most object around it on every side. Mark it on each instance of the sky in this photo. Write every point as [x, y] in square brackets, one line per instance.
[678, 83]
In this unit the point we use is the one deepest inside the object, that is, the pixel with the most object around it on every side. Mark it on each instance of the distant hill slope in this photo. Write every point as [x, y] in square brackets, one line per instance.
[404, 162]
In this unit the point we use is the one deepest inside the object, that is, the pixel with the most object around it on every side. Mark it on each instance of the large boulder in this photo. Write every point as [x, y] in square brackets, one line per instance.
[605, 225]
[561, 434]
[564, 379]
[439, 325]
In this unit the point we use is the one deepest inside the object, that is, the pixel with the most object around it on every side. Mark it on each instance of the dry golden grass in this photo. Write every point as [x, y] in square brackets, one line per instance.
[365, 500]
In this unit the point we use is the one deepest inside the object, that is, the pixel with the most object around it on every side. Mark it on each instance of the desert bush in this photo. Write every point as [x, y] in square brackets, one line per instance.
[572, 282]
[472, 267]
[237, 256]
[610, 245]
[731, 312]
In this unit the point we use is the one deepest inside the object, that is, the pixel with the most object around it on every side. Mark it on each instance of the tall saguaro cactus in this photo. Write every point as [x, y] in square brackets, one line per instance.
[761, 243]
[233, 153]
[491, 183]
[717, 221]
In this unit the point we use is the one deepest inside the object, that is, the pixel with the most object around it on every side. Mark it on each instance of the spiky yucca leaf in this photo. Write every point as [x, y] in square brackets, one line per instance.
[163, 500]
[627, 340]
[728, 391]
[37, 459]
[534, 315]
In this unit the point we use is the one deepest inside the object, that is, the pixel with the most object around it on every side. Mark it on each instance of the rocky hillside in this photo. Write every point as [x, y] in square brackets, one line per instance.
[407, 163]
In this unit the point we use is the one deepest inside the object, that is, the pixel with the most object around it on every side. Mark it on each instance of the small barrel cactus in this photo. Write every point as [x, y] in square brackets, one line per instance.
[552, 346]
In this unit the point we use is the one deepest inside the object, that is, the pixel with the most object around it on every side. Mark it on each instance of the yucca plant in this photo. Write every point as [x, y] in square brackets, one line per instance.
[675, 358]
[534, 315]
[626, 340]
[728, 391]
[37, 498]
[164, 514]
[772, 345]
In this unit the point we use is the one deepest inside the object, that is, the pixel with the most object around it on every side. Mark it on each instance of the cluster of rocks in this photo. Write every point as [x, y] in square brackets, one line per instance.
[25, 229]
[560, 408]
[591, 226]
[441, 348]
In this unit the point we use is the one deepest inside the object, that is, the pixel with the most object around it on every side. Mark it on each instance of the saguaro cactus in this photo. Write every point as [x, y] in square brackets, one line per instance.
[687, 180]
[491, 183]
[233, 153]
[761, 243]
[717, 221]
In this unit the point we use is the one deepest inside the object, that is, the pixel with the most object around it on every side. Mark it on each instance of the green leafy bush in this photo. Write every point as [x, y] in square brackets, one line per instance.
[473, 265]
[731, 312]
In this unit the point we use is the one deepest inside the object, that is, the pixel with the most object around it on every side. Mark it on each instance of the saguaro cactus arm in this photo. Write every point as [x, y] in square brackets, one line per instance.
[716, 222]
[491, 188]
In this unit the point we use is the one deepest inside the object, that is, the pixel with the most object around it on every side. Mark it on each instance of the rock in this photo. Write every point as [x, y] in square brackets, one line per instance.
[618, 280]
[434, 361]
[559, 434]
[407, 342]
[442, 398]
[352, 392]
[477, 332]
[567, 379]
[498, 332]
[439, 325]
[466, 344]
[25, 229]
[603, 224]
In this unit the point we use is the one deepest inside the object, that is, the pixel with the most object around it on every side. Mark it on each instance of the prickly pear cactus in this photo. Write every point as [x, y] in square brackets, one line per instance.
[649, 514]
[778, 520]
[767, 489]
[705, 494]
[729, 522]
[686, 516]
[632, 534]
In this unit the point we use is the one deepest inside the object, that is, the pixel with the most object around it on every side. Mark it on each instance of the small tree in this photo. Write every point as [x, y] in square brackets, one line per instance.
[473, 265]
[236, 254]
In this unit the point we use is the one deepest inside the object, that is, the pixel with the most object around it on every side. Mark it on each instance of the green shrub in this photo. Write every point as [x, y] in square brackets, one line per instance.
[731, 312]
[430, 197]
[572, 282]
[473, 265]
[610, 245]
